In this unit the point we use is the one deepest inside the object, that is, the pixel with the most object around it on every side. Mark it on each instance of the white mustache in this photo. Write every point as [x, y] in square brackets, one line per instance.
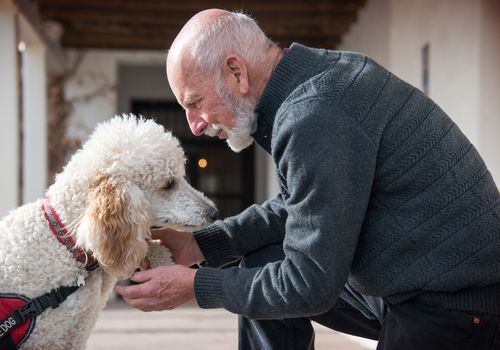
[213, 129]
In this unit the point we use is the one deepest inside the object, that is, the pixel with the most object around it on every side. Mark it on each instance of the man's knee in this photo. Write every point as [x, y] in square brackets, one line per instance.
[261, 257]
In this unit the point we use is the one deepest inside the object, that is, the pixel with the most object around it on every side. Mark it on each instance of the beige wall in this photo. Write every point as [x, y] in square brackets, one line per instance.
[489, 86]
[370, 33]
[451, 27]
[464, 53]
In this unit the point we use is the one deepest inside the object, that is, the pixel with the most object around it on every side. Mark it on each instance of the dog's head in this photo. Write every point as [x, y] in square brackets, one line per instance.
[139, 182]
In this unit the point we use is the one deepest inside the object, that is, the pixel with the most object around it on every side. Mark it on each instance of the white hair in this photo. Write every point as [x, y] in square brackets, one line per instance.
[234, 33]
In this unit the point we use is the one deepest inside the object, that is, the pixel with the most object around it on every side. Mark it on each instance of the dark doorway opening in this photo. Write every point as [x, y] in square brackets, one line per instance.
[225, 177]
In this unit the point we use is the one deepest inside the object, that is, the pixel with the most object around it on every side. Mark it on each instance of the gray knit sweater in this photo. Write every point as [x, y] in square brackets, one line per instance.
[378, 187]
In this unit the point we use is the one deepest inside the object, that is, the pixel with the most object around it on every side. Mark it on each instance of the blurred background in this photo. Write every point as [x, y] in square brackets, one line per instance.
[66, 65]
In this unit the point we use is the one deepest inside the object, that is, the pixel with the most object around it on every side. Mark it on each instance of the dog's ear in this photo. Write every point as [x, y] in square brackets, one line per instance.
[115, 226]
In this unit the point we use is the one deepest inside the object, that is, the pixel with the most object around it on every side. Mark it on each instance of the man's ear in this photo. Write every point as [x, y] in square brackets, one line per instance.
[236, 73]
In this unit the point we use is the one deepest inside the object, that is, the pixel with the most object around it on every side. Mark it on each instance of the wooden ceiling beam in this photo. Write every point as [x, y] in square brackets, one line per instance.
[121, 42]
[152, 24]
[274, 6]
[142, 42]
[161, 34]
[277, 25]
[270, 27]
[180, 18]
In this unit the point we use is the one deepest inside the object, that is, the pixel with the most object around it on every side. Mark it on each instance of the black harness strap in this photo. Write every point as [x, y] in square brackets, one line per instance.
[31, 310]
[7, 343]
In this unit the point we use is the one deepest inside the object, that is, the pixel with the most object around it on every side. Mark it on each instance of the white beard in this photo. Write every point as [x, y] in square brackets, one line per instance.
[238, 137]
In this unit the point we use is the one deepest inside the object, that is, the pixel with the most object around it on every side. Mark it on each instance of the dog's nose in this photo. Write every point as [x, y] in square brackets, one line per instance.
[213, 214]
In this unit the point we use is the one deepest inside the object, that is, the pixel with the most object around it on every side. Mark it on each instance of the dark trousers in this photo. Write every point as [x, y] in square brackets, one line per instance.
[406, 326]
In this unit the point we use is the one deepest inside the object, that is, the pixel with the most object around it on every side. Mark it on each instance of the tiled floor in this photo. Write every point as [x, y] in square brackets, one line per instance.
[187, 328]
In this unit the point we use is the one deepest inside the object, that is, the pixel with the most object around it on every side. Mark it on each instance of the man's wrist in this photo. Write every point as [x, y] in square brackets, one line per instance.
[197, 252]
[208, 287]
[192, 277]
[214, 245]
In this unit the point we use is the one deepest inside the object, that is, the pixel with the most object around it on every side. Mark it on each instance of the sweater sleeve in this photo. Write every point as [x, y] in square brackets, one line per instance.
[327, 163]
[256, 227]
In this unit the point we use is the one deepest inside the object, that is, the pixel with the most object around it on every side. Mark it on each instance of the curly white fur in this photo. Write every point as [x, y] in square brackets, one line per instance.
[127, 177]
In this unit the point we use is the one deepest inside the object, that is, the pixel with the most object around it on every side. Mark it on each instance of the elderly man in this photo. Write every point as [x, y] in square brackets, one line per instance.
[387, 224]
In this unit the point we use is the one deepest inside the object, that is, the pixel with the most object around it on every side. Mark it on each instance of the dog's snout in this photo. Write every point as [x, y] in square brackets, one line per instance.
[213, 214]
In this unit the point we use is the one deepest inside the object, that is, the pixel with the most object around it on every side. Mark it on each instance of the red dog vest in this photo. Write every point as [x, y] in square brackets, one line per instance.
[17, 333]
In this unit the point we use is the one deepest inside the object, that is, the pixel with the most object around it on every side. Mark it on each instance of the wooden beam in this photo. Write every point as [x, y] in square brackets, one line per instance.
[179, 18]
[275, 6]
[163, 43]
[115, 42]
[278, 26]
[152, 24]
[163, 35]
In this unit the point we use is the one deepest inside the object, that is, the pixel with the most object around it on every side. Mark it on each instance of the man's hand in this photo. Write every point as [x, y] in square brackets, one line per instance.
[182, 245]
[161, 288]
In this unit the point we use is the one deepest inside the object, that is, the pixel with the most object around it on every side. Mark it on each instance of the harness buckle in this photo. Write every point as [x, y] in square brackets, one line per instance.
[80, 281]
[33, 308]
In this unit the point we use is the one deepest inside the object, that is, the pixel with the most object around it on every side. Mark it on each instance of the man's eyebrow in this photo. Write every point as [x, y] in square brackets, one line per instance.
[189, 100]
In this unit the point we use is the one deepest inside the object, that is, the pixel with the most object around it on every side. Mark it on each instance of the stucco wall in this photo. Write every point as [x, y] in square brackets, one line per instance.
[94, 88]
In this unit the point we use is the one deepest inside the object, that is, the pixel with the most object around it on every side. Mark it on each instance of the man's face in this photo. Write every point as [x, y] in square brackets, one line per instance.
[238, 136]
[214, 110]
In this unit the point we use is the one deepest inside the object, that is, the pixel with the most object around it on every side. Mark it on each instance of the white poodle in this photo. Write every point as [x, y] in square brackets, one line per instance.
[127, 177]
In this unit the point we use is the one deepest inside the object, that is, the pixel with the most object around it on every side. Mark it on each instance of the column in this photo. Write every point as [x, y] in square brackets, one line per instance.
[34, 121]
[9, 94]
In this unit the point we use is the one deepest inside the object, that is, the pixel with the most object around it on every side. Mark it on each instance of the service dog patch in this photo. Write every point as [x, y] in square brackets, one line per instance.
[18, 333]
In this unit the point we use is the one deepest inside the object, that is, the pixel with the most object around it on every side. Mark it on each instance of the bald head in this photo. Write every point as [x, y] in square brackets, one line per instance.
[183, 44]
[212, 35]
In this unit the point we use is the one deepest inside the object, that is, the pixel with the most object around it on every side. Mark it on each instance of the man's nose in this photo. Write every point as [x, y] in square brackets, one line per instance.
[196, 123]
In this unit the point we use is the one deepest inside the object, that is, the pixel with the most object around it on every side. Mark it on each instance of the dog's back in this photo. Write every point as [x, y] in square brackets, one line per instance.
[32, 263]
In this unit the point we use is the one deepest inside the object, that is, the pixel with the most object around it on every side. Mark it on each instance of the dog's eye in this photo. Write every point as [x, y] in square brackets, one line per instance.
[169, 185]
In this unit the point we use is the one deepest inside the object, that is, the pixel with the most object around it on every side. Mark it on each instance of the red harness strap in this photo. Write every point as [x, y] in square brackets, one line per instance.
[62, 236]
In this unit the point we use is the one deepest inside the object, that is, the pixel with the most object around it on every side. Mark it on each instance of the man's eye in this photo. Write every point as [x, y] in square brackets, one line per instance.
[169, 185]
[195, 104]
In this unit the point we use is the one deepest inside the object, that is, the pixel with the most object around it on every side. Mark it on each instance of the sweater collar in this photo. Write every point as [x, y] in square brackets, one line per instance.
[292, 70]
